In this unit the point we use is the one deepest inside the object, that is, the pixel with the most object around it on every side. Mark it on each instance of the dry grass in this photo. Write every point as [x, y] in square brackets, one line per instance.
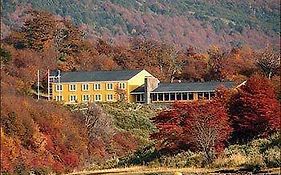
[235, 160]
[137, 170]
[142, 170]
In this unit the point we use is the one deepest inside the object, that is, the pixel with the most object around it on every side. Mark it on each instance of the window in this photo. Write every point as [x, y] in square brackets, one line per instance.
[58, 98]
[59, 87]
[200, 95]
[72, 98]
[109, 97]
[154, 97]
[85, 87]
[172, 96]
[109, 86]
[122, 97]
[179, 96]
[97, 86]
[190, 96]
[184, 96]
[206, 95]
[160, 97]
[72, 87]
[140, 98]
[166, 97]
[97, 97]
[86, 97]
[122, 85]
[212, 95]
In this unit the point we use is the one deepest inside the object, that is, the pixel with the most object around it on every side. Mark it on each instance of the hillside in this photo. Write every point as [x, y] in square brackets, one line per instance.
[43, 137]
[181, 22]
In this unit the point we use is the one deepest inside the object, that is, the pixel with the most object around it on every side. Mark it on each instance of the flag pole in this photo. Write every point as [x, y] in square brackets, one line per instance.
[48, 84]
[38, 85]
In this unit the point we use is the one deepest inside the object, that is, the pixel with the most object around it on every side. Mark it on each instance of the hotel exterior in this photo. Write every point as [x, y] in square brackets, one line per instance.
[137, 86]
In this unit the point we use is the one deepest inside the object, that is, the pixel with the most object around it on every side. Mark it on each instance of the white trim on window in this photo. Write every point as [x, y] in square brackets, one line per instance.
[59, 98]
[109, 86]
[59, 87]
[98, 97]
[85, 97]
[109, 97]
[72, 98]
[122, 85]
[97, 86]
[85, 87]
[72, 87]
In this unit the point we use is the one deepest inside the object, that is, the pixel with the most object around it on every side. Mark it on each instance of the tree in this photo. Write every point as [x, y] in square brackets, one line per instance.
[196, 67]
[269, 62]
[202, 126]
[38, 29]
[254, 110]
[98, 124]
[216, 60]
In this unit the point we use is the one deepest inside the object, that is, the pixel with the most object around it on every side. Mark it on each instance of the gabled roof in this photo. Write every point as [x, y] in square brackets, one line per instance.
[192, 86]
[116, 75]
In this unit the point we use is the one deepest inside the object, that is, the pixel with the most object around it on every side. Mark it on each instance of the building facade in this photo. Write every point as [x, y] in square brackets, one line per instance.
[188, 91]
[97, 86]
[128, 85]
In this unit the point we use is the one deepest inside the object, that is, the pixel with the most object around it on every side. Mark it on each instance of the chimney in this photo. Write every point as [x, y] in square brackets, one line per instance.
[150, 83]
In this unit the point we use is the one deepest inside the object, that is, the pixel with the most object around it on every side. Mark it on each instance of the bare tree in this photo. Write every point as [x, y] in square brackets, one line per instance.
[98, 123]
[269, 62]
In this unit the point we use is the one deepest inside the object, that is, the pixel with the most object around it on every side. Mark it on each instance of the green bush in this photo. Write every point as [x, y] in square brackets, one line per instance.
[5, 55]
[134, 118]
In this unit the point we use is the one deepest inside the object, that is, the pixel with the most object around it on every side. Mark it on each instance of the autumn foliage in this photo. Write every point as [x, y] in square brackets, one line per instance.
[39, 135]
[201, 126]
[45, 135]
[254, 110]
[236, 115]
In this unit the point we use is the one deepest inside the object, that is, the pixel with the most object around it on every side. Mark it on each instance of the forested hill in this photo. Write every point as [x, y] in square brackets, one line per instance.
[182, 22]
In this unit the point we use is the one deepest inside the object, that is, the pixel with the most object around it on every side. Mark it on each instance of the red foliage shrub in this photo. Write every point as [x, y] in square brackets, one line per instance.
[254, 110]
[124, 142]
[198, 125]
[71, 159]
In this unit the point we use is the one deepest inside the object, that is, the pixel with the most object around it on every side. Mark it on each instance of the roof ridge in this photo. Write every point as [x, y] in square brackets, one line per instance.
[195, 82]
[104, 71]
[108, 75]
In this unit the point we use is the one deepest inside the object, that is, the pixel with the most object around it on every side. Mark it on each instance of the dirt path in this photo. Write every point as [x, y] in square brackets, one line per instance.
[141, 170]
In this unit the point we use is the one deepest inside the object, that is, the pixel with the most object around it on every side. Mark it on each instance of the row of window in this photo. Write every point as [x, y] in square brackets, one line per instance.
[181, 96]
[85, 87]
[86, 97]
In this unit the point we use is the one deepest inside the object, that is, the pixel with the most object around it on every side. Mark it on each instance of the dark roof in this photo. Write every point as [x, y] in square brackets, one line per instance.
[139, 89]
[192, 86]
[115, 75]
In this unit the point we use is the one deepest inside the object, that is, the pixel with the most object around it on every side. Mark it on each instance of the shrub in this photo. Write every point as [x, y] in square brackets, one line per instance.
[5, 55]
[254, 109]
[254, 155]
[233, 160]
[272, 157]
[200, 126]
[254, 162]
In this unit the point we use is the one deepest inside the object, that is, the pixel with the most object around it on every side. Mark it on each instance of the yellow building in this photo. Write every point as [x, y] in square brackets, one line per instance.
[97, 86]
[127, 85]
